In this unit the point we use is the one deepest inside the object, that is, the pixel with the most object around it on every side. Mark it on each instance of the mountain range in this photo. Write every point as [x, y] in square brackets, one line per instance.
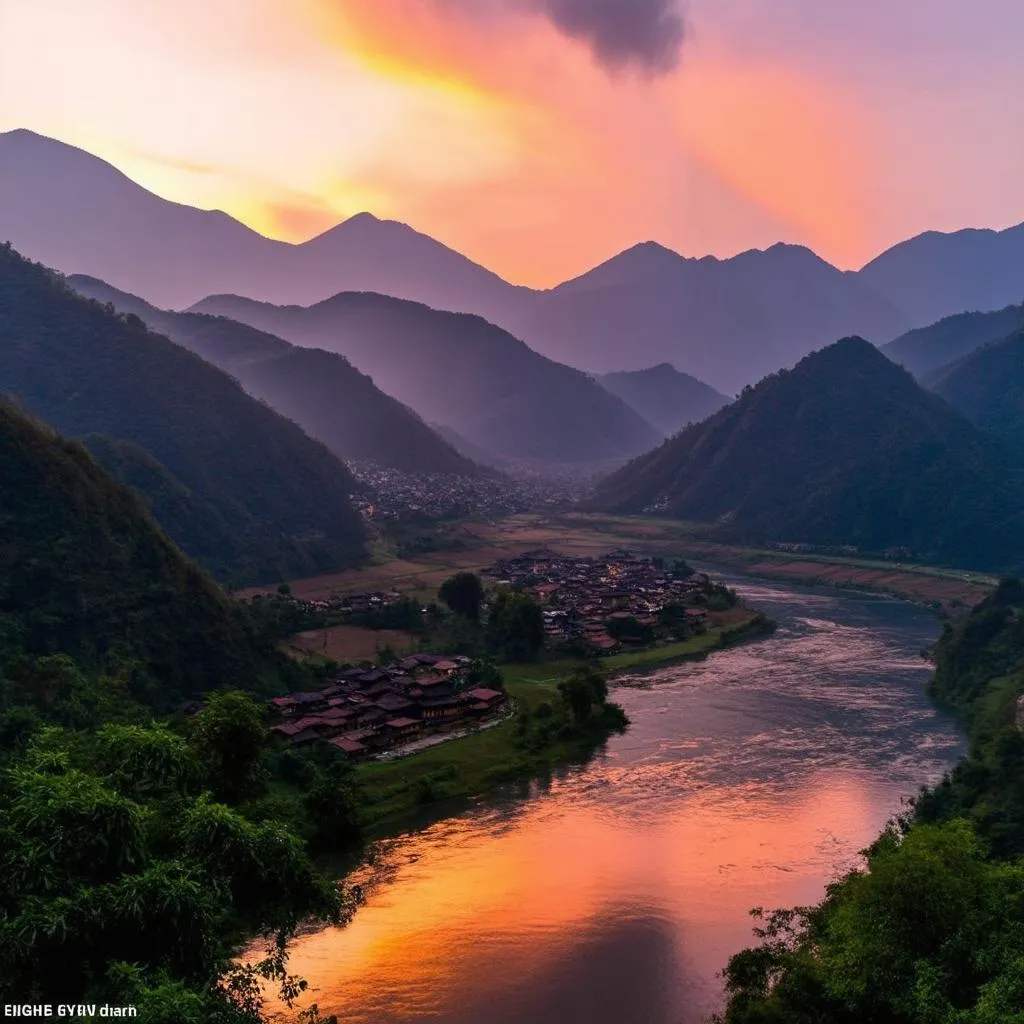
[460, 371]
[73, 211]
[987, 386]
[727, 321]
[844, 449]
[929, 349]
[240, 487]
[321, 391]
[665, 397]
[936, 275]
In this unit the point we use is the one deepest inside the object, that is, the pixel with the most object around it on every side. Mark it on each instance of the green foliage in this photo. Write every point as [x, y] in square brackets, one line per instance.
[720, 598]
[931, 930]
[484, 673]
[238, 486]
[515, 626]
[134, 862]
[99, 611]
[464, 594]
[114, 888]
[582, 691]
[405, 614]
[628, 628]
[229, 735]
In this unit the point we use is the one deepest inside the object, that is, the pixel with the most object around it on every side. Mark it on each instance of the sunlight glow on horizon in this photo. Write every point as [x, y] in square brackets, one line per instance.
[505, 139]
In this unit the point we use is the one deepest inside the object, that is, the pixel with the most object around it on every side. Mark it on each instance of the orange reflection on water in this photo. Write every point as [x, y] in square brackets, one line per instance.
[492, 916]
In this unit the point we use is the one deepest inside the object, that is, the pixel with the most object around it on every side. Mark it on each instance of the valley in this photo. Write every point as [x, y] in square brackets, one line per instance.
[472, 545]
[512, 512]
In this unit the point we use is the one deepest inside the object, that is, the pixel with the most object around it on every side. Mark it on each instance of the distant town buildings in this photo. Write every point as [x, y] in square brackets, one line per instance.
[394, 495]
[605, 603]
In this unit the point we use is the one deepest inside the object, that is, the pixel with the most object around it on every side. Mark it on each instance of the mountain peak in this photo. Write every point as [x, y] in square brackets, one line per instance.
[845, 449]
[849, 356]
[364, 217]
[649, 252]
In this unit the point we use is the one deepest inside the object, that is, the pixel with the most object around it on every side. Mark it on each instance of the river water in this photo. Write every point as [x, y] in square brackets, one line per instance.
[615, 892]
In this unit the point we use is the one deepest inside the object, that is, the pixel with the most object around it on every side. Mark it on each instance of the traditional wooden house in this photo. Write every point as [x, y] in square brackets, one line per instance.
[350, 747]
[395, 730]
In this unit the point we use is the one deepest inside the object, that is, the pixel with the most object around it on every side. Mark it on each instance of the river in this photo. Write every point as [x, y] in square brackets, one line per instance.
[615, 892]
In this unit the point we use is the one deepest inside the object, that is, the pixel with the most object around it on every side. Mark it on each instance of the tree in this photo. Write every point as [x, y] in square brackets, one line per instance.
[140, 897]
[582, 691]
[484, 673]
[331, 802]
[229, 735]
[628, 627]
[516, 626]
[464, 594]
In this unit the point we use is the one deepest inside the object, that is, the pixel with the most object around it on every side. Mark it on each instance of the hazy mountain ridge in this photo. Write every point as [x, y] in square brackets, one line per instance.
[73, 211]
[844, 449]
[461, 371]
[321, 391]
[937, 274]
[283, 497]
[727, 321]
[987, 386]
[927, 350]
[666, 398]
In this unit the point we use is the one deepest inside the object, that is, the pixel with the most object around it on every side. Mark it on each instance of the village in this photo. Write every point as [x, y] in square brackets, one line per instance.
[591, 608]
[611, 601]
[368, 710]
[396, 496]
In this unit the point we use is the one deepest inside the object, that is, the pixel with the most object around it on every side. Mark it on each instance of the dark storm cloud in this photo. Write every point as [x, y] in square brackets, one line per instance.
[643, 33]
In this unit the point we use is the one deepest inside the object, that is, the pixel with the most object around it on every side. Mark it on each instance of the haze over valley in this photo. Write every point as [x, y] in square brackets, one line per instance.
[512, 512]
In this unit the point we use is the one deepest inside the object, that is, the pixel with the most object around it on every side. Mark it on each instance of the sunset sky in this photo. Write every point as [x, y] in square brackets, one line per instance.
[541, 136]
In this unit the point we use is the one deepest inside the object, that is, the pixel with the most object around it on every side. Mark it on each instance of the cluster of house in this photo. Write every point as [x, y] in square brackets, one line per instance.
[396, 495]
[352, 604]
[583, 597]
[366, 710]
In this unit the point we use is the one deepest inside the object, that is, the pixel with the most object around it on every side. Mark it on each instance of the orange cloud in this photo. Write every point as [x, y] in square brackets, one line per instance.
[576, 153]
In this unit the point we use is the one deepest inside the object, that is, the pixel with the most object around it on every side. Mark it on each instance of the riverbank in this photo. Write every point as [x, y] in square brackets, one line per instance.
[750, 776]
[469, 766]
[471, 545]
[952, 951]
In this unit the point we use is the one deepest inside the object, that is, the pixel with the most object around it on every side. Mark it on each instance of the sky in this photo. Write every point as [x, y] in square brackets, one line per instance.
[540, 137]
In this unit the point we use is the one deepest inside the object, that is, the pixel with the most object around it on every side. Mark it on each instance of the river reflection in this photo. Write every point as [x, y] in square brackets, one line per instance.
[615, 892]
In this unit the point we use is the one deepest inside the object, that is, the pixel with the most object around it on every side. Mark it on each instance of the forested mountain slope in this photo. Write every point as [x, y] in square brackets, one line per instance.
[463, 372]
[86, 573]
[845, 449]
[278, 500]
[928, 349]
[988, 388]
[321, 391]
